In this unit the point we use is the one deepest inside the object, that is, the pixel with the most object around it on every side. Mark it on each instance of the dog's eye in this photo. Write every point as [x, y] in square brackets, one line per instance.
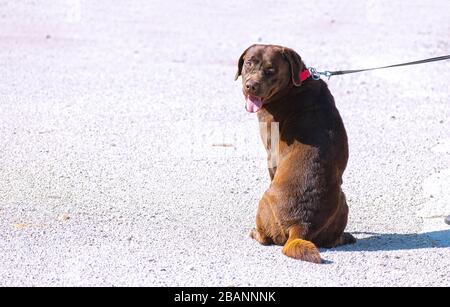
[269, 72]
[248, 63]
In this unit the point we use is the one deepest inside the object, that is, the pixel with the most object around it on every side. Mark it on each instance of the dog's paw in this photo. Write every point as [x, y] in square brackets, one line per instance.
[262, 239]
[347, 238]
[253, 234]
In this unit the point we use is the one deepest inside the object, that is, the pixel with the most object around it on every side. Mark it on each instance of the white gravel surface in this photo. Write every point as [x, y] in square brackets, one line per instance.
[127, 158]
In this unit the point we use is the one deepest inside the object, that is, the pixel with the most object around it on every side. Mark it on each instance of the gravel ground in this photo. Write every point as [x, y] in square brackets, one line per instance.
[127, 158]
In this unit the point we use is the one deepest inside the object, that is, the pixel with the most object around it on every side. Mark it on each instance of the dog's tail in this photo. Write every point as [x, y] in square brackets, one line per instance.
[300, 249]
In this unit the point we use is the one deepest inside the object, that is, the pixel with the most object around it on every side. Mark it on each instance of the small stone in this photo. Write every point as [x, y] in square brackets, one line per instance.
[19, 225]
[63, 217]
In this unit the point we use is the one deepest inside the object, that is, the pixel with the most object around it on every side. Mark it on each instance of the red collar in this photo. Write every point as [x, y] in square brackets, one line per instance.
[304, 74]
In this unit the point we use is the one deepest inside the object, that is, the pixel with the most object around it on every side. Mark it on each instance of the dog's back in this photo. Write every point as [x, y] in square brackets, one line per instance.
[312, 156]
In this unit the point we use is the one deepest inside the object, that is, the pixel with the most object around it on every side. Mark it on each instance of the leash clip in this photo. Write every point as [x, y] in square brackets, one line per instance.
[315, 74]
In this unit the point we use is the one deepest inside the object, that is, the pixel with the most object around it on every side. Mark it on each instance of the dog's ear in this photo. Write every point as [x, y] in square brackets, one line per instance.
[241, 62]
[296, 64]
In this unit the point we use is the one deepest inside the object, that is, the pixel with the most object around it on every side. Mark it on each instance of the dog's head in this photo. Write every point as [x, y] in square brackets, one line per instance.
[266, 71]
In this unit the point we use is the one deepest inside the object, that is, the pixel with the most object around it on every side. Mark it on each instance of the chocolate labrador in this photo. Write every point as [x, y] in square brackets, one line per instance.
[304, 206]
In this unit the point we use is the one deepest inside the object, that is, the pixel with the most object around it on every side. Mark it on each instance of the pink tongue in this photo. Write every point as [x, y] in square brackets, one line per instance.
[252, 104]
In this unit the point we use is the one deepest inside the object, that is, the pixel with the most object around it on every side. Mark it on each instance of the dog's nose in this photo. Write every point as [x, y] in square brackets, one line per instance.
[252, 86]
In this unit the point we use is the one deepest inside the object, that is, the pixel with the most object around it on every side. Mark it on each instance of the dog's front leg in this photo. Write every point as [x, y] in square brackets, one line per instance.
[272, 171]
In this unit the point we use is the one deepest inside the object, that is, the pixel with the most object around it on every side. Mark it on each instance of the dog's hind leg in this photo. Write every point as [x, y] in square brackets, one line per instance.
[334, 235]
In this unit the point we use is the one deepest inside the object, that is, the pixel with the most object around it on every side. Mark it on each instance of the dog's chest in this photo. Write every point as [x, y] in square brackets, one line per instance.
[268, 129]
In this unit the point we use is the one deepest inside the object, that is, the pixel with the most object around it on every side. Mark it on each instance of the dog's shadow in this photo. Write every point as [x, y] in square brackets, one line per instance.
[395, 241]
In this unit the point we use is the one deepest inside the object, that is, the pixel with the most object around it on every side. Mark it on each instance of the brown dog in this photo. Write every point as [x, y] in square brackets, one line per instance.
[304, 206]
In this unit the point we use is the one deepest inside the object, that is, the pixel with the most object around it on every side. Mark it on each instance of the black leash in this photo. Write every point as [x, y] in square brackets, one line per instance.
[316, 74]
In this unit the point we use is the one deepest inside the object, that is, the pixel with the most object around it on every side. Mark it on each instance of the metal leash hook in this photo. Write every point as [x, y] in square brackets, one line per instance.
[316, 74]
